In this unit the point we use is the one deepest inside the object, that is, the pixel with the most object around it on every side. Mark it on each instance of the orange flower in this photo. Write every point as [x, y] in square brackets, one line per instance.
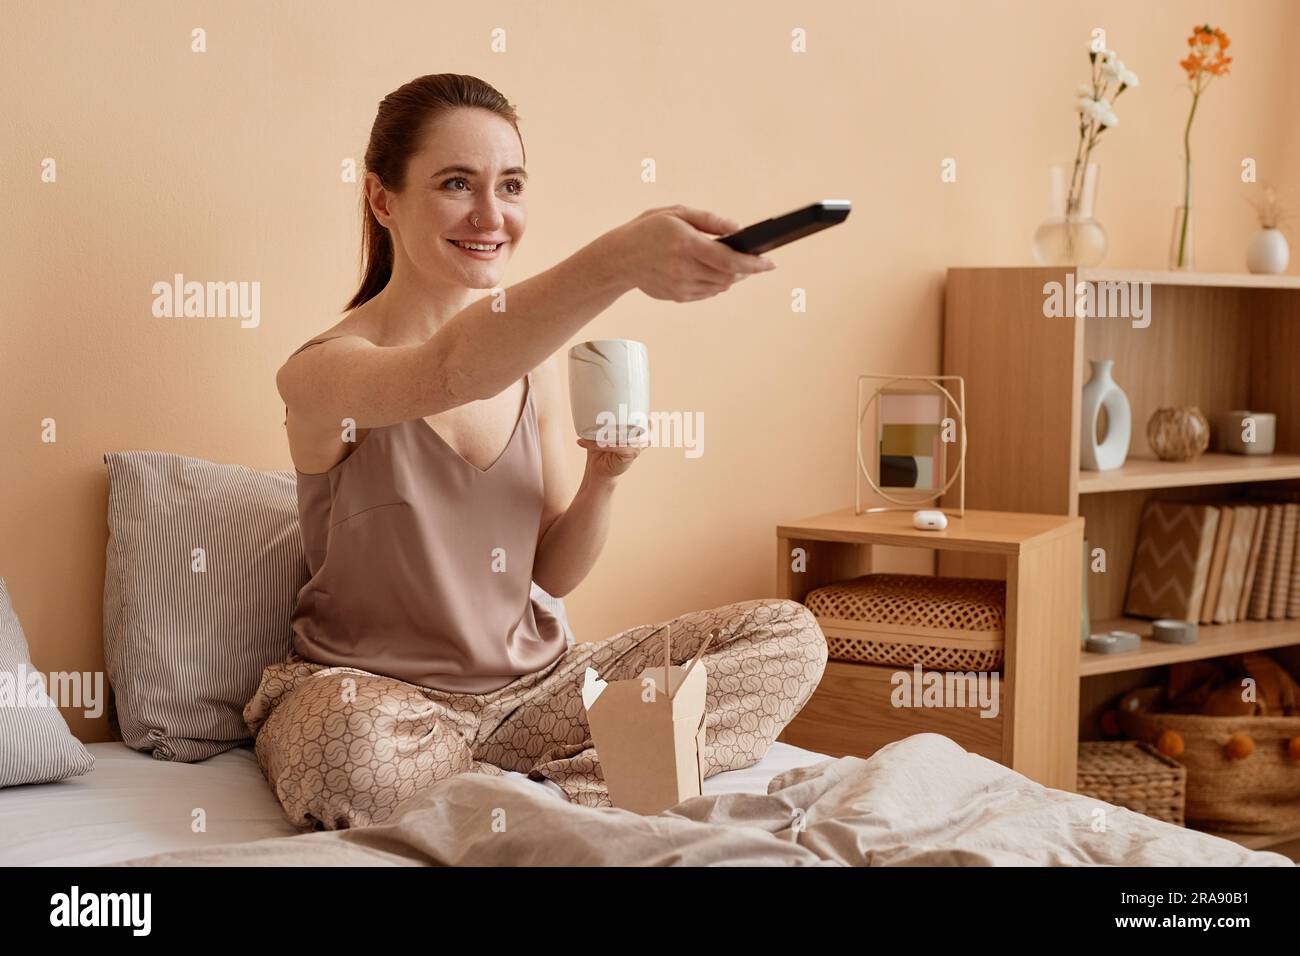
[1206, 55]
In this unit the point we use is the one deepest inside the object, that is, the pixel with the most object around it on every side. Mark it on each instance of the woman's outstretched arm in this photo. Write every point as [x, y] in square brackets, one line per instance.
[668, 253]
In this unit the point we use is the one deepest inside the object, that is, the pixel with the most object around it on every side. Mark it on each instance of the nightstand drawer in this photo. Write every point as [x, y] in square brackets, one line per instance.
[851, 713]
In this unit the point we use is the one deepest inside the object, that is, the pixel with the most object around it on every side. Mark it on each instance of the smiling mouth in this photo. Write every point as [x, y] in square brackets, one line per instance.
[476, 246]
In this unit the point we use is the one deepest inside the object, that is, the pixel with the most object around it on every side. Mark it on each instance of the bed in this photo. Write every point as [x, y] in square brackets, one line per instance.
[919, 801]
[131, 805]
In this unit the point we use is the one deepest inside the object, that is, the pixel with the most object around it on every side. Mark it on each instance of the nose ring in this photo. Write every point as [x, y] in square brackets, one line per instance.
[474, 220]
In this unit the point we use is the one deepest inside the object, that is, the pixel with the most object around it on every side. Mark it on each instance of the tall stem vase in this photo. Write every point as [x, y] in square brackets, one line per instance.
[1181, 256]
[1181, 242]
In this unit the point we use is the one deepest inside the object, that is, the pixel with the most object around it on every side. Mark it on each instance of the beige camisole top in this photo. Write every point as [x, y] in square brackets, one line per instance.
[421, 563]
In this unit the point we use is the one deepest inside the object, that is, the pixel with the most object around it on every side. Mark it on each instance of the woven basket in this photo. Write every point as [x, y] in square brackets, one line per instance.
[1133, 775]
[1256, 794]
[945, 624]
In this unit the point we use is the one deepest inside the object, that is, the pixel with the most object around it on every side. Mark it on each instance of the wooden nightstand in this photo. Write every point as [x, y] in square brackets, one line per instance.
[1036, 729]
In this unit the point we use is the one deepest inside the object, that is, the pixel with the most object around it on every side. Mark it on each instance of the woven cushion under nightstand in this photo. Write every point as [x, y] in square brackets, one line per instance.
[947, 624]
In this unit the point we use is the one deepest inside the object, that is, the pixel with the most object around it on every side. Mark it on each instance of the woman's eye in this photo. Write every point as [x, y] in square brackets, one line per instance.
[516, 183]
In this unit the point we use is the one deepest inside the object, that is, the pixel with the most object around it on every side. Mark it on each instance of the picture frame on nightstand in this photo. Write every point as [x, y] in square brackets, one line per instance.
[917, 441]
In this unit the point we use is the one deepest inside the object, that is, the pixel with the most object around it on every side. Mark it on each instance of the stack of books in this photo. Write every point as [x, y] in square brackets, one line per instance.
[1218, 563]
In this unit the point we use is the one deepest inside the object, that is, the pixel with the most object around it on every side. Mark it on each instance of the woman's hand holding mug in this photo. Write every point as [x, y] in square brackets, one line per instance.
[607, 462]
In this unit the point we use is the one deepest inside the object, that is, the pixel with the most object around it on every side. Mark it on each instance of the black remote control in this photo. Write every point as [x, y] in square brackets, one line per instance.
[770, 233]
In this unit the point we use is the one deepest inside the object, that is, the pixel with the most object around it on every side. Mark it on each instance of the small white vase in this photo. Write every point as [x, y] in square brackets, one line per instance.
[1102, 392]
[1268, 252]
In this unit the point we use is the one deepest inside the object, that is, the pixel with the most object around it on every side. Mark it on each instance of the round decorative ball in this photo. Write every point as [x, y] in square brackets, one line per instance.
[1178, 434]
[1240, 746]
[1170, 743]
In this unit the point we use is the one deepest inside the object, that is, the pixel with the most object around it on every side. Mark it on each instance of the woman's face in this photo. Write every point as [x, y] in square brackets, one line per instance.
[465, 184]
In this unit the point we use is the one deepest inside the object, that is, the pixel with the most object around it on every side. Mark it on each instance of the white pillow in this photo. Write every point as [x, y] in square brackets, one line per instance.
[36, 745]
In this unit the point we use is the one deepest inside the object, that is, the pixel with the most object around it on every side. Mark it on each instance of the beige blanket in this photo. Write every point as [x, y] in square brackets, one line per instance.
[919, 801]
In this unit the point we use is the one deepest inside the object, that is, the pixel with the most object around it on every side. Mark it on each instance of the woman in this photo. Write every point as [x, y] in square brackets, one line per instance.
[427, 432]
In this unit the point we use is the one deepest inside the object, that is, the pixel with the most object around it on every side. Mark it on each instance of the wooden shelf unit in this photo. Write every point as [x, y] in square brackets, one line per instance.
[1217, 341]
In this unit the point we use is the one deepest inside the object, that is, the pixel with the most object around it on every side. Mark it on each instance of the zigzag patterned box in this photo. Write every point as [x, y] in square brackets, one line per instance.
[1175, 543]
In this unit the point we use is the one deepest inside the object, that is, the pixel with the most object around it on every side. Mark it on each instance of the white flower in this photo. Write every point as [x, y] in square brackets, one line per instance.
[1113, 68]
[1096, 110]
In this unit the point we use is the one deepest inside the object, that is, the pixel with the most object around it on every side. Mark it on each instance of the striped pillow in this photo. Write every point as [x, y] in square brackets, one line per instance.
[203, 566]
[36, 745]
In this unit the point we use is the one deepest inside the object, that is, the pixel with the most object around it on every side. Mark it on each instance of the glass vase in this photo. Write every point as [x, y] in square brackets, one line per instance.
[1070, 235]
[1181, 247]
[1182, 255]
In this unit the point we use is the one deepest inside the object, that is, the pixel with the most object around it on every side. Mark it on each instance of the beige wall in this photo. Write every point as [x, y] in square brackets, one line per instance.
[225, 166]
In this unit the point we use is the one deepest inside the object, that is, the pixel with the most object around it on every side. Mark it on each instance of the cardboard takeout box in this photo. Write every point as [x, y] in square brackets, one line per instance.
[649, 732]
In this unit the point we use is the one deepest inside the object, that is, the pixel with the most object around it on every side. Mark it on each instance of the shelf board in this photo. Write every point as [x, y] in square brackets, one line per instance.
[1229, 280]
[1216, 640]
[1209, 469]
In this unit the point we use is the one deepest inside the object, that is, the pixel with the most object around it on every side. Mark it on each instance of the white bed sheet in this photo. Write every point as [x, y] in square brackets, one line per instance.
[131, 805]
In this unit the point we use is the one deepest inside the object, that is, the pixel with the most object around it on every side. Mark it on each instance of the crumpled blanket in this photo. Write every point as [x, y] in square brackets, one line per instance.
[922, 801]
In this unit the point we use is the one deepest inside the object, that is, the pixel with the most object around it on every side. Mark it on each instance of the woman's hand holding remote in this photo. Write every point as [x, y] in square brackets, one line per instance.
[670, 253]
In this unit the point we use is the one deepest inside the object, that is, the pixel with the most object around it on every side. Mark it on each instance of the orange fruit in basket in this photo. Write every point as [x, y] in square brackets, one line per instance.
[1293, 748]
[1240, 746]
[1170, 743]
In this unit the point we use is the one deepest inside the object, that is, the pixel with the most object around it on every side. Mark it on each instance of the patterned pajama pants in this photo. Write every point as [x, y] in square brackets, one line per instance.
[342, 747]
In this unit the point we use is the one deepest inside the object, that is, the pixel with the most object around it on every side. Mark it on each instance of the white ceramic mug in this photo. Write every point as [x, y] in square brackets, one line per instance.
[609, 390]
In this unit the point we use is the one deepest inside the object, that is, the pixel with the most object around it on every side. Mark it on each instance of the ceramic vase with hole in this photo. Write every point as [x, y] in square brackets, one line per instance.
[1102, 392]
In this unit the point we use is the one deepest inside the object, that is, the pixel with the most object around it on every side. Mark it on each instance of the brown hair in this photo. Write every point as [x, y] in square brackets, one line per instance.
[403, 116]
